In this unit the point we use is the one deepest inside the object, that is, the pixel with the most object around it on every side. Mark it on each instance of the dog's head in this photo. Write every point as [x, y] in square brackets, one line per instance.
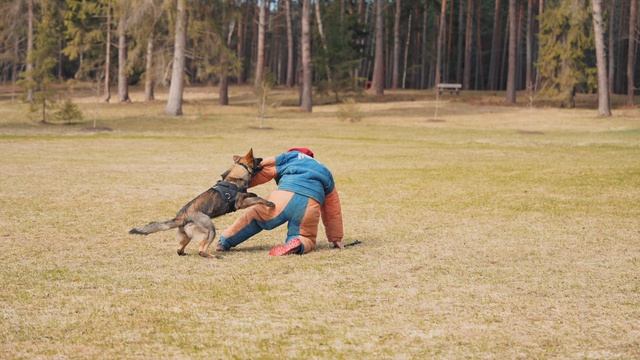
[244, 167]
[249, 160]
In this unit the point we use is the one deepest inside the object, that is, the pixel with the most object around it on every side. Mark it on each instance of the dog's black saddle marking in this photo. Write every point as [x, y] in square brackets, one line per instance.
[228, 191]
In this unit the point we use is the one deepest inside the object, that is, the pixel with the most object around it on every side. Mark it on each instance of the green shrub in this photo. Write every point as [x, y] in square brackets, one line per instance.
[349, 110]
[68, 111]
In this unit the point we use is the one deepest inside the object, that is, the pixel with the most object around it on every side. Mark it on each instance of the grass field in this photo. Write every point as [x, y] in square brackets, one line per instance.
[489, 232]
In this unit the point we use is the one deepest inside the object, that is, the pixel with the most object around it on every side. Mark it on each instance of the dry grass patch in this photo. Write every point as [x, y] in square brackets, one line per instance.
[480, 240]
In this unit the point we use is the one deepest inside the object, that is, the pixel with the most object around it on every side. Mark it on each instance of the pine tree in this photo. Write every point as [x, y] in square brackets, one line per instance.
[340, 54]
[44, 58]
[83, 35]
[565, 37]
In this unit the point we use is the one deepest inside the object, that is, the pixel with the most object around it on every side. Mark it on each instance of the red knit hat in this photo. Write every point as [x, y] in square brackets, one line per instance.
[303, 150]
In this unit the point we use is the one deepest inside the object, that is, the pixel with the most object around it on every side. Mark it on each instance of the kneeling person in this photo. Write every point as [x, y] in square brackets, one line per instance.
[306, 192]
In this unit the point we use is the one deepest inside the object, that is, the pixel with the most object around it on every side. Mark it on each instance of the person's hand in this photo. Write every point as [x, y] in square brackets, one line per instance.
[338, 245]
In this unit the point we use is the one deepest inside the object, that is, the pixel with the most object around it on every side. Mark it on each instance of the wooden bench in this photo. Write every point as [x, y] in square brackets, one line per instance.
[451, 87]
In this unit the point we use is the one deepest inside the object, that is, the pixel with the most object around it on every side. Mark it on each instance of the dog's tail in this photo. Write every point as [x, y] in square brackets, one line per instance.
[156, 226]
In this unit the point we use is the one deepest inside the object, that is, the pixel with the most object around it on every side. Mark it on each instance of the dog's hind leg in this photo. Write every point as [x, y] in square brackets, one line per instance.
[205, 243]
[183, 240]
[209, 232]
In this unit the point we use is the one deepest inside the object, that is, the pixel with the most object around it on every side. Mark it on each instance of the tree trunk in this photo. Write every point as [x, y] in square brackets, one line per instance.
[519, 52]
[107, 60]
[78, 74]
[480, 64]
[406, 53]
[287, 6]
[149, 82]
[496, 41]
[123, 86]
[529, 40]
[368, 44]
[603, 87]
[306, 100]
[14, 69]
[323, 39]
[631, 54]
[60, 59]
[433, 50]
[261, 35]
[611, 57]
[388, 61]
[240, 45]
[377, 83]
[423, 58]
[449, 57]
[30, 50]
[174, 103]
[223, 90]
[443, 18]
[504, 57]
[540, 12]
[396, 46]
[621, 62]
[511, 72]
[461, 38]
[466, 81]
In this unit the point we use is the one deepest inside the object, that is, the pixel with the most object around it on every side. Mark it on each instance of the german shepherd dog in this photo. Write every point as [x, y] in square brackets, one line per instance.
[228, 195]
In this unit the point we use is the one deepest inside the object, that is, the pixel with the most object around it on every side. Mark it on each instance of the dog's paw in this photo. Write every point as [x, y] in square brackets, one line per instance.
[181, 252]
[204, 254]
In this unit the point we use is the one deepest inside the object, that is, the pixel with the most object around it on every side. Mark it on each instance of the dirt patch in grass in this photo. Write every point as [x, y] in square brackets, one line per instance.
[97, 129]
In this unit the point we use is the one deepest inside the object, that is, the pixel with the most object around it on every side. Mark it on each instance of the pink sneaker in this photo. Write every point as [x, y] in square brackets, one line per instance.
[285, 249]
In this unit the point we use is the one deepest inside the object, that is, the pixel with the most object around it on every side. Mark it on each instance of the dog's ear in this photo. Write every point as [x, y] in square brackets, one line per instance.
[249, 156]
[236, 158]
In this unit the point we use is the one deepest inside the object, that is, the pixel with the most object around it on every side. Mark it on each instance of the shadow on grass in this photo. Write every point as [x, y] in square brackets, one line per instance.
[349, 244]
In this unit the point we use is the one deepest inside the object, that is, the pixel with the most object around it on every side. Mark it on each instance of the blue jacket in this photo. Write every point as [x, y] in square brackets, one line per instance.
[302, 174]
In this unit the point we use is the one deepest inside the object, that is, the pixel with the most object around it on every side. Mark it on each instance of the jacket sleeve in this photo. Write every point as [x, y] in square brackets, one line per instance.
[332, 216]
[267, 173]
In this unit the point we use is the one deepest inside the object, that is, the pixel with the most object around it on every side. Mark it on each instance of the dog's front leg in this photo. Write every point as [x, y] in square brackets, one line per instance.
[244, 200]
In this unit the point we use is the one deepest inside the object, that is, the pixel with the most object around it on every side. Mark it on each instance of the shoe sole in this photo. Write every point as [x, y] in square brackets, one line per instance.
[285, 249]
